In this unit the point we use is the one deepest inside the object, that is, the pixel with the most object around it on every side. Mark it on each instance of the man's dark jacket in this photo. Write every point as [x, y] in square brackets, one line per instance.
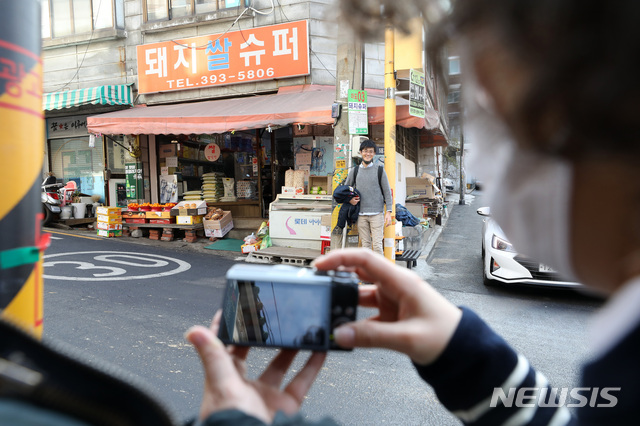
[348, 212]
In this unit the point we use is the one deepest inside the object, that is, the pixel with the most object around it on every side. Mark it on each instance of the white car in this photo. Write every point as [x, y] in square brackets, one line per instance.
[501, 264]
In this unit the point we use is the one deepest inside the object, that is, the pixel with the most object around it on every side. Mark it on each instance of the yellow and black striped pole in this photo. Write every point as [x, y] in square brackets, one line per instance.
[21, 157]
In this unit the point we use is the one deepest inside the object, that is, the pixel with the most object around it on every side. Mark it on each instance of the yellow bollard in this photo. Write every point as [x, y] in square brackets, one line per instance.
[21, 159]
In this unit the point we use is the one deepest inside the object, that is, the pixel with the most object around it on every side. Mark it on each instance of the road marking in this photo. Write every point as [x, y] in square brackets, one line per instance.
[94, 263]
[73, 235]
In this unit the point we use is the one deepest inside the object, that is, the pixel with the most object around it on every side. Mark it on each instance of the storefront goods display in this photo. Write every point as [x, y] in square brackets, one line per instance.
[298, 178]
[109, 234]
[109, 221]
[188, 220]
[229, 190]
[158, 215]
[189, 208]
[109, 226]
[288, 178]
[217, 223]
[167, 221]
[193, 195]
[212, 187]
[246, 189]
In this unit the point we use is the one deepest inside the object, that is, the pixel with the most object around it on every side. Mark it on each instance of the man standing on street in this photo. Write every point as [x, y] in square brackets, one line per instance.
[371, 180]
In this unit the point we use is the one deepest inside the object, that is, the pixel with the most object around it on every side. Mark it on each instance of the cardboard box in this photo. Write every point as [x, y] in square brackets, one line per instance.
[109, 210]
[325, 227]
[218, 228]
[133, 215]
[167, 221]
[109, 226]
[218, 233]
[248, 248]
[181, 210]
[157, 215]
[169, 150]
[288, 190]
[110, 218]
[323, 182]
[420, 186]
[109, 234]
[416, 209]
[135, 220]
[188, 220]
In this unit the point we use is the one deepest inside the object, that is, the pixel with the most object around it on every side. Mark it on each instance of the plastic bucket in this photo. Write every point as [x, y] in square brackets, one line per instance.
[79, 210]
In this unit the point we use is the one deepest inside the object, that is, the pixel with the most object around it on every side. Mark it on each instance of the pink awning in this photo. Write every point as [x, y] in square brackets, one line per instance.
[306, 104]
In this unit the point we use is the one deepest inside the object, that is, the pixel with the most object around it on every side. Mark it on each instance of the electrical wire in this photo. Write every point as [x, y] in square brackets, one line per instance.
[310, 50]
[204, 46]
[93, 30]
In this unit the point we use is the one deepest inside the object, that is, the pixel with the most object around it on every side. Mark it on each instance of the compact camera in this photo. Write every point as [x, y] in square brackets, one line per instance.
[286, 307]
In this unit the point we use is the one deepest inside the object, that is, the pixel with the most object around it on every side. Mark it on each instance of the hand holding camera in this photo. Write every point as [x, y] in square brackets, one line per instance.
[413, 318]
[226, 386]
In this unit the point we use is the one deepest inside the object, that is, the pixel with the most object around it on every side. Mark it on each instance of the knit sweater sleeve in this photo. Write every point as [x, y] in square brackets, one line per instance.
[349, 180]
[386, 190]
[483, 381]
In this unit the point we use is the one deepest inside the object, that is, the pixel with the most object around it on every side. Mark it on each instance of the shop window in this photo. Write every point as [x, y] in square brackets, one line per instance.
[117, 155]
[162, 10]
[73, 160]
[62, 18]
[453, 97]
[454, 65]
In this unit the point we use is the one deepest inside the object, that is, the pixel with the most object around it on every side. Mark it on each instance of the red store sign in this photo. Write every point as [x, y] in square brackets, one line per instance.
[264, 53]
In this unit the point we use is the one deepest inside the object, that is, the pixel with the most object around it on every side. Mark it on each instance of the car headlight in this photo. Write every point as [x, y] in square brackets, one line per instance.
[501, 244]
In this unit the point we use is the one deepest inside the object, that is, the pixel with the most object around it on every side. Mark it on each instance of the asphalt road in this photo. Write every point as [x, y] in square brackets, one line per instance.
[129, 302]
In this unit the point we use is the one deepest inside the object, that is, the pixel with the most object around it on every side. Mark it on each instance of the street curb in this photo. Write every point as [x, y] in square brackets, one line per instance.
[433, 238]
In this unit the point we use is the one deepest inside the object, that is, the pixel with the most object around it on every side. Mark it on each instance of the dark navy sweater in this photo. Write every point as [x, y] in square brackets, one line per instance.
[477, 361]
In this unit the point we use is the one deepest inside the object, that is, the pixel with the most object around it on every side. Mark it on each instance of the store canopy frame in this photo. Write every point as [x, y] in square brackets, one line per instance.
[304, 104]
[119, 94]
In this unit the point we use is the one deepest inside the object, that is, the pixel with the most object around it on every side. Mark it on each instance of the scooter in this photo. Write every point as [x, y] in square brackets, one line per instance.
[51, 200]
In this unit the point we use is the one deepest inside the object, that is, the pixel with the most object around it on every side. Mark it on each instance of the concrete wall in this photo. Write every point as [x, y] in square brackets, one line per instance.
[109, 56]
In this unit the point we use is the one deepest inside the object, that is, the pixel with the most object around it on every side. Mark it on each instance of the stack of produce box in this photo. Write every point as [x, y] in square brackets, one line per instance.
[133, 215]
[212, 187]
[109, 221]
[160, 214]
[189, 213]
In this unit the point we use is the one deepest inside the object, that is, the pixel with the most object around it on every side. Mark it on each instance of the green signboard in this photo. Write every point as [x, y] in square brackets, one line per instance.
[134, 181]
[417, 94]
[357, 107]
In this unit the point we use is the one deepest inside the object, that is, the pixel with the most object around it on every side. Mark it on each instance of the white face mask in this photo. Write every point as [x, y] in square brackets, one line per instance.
[529, 193]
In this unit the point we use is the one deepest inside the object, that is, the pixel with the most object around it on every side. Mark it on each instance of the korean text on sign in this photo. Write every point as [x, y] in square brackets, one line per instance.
[264, 53]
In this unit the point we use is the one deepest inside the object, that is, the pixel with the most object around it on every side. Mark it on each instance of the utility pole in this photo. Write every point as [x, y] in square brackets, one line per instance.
[390, 137]
[463, 188]
[348, 76]
[21, 159]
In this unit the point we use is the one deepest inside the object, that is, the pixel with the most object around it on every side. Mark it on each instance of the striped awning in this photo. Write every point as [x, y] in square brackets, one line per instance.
[100, 95]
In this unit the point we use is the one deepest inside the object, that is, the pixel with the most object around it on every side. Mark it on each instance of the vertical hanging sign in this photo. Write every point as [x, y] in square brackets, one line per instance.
[134, 180]
[357, 106]
[416, 93]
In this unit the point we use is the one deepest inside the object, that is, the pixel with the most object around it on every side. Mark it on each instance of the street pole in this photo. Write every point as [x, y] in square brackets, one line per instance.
[390, 137]
[463, 188]
[21, 159]
[348, 76]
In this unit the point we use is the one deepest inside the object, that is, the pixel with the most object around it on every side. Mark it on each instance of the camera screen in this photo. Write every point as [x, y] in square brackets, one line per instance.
[288, 315]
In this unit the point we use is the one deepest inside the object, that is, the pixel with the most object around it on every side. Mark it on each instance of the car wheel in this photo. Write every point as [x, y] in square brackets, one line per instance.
[48, 216]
